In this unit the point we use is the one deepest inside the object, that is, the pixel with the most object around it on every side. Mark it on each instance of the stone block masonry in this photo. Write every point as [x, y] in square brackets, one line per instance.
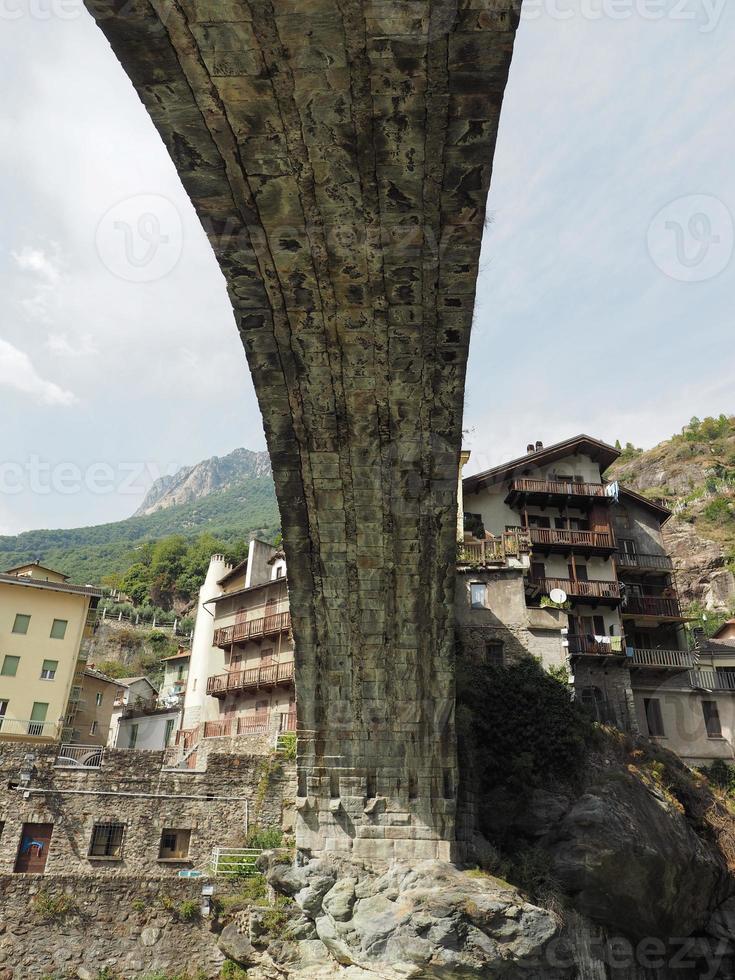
[129, 926]
[341, 171]
[131, 789]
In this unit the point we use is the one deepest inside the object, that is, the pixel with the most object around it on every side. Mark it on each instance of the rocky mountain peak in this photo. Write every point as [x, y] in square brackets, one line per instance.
[217, 473]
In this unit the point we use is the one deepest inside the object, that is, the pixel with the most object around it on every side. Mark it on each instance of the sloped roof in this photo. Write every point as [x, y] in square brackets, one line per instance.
[663, 513]
[601, 452]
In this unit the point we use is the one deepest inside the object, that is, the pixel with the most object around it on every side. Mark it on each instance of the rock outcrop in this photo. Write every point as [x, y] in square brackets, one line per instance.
[191, 483]
[425, 921]
[622, 851]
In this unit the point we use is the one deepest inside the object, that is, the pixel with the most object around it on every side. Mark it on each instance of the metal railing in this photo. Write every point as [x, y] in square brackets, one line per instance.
[79, 757]
[570, 538]
[558, 488]
[576, 589]
[150, 706]
[625, 559]
[680, 659]
[25, 728]
[235, 861]
[240, 632]
[251, 678]
[712, 680]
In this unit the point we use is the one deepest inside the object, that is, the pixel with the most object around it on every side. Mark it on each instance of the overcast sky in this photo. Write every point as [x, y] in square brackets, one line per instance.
[604, 299]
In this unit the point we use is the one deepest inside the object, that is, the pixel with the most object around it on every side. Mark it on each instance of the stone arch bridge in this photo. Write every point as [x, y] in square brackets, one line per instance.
[339, 154]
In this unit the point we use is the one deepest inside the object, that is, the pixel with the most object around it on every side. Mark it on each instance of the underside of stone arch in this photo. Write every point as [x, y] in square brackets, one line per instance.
[339, 153]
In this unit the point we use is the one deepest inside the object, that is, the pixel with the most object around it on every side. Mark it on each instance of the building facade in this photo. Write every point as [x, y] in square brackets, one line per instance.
[241, 673]
[43, 621]
[561, 563]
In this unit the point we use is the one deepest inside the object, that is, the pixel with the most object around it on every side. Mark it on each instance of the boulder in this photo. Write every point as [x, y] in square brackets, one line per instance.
[426, 921]
[236, 945]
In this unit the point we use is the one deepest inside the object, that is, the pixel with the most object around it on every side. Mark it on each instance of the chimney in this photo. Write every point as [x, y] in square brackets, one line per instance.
[529, 448]
[539, 446]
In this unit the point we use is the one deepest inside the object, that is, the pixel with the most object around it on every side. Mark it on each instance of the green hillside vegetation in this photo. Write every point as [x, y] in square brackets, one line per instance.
[693, 474]
[106, 553]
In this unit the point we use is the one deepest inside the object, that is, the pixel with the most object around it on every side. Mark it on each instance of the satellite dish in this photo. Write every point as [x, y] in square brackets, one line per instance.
[558, 596]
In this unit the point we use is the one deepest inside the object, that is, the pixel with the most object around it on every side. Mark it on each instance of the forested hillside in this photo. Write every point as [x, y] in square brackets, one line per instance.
[106, 552]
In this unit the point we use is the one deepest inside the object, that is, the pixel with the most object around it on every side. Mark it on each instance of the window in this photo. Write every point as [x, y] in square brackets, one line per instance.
[93, 728]
[477, 595]
[38, 718]
[107, 840]
[494, 653]
[174, 845]
[170, 725]
[654, 719]
[266, 658]
[712, 719]
[98, 698]
[627, 546]
[48, 670]
[21, 624]
[10, 666]
[58, 629]
[3, 710]
[133, 737]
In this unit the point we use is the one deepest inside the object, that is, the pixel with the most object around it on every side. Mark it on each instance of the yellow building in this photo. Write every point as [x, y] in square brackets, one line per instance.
[43, 620]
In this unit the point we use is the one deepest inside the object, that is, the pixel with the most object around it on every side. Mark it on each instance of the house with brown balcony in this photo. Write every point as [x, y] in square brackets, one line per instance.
[241, 674]
[594, 551]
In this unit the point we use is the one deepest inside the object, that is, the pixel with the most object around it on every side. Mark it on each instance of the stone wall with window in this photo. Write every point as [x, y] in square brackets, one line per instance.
[494, 625]
[130, 816]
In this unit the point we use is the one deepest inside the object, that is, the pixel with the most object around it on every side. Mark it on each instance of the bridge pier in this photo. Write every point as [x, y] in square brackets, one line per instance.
[339, 157]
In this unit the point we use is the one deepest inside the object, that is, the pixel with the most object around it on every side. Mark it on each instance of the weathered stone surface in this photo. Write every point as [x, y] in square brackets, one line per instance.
[339, 157]
[236, 945]
[427, 921]
[625, 856]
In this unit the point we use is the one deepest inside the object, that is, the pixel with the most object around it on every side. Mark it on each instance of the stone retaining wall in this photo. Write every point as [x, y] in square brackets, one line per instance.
[131, 927]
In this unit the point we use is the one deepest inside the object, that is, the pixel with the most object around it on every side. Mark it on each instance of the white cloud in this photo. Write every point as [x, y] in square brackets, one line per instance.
[17, 371]
[45, 272]
[37, 261]
[61, 345]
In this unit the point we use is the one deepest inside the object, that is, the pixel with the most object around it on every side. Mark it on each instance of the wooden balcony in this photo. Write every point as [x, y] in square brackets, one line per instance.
[652, 607]
[251, 679]
[256, 724]
[563, 541]
[555, 493]
[588, 646]
[252, 629]
[643, 563]
[592, 593]
[660, 659]
[495, 550]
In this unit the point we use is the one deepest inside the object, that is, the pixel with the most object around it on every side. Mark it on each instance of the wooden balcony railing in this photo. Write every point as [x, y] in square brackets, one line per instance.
[257, 724]
[495, 549]
[558, 488]
[576, 589]
[611, 646]
[678, 659]
[251, 629]
[250, 679]
[572, 539]
[654, 562]
[649, 605]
